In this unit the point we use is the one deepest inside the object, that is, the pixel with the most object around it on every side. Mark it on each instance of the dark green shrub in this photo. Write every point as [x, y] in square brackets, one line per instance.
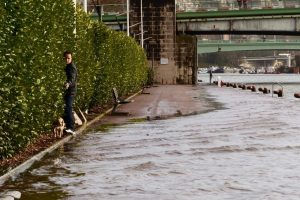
[123, 64]
[85, 59]
[31, 78]
[33, 37]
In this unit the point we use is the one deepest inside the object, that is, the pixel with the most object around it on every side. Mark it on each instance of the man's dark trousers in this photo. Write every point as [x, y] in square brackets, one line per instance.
[69, 98]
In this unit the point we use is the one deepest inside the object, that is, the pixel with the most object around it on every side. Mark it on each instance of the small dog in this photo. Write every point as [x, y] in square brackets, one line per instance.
[58, 127]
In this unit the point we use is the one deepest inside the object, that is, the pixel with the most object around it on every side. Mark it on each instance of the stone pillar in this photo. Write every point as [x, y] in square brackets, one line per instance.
[186, 60]
[296, 69]
[159, 25]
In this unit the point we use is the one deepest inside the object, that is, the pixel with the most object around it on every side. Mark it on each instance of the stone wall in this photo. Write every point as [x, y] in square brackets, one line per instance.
[159, 36]
[171, 58]
[186, 59]
[296, 69]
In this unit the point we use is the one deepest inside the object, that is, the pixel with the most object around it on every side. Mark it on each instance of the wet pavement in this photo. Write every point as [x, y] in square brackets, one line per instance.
[246, 148]
[161, 102]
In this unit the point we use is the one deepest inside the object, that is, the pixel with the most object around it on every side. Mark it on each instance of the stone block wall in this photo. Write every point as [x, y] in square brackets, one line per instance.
[296, 69]
[186, 51]
[159, 24]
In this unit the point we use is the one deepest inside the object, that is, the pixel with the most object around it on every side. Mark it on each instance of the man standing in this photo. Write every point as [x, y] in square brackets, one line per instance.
[210, 76]
[70, 92]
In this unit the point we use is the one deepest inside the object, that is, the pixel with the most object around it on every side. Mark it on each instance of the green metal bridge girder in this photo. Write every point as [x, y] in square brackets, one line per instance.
[280, 21]
[205, 47]
[213, 14]
[237, 13]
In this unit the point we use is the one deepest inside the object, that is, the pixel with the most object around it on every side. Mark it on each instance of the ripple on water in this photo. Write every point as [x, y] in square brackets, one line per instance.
[143, 166]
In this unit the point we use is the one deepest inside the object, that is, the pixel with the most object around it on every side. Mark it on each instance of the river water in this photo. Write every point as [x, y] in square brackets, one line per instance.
[290, 83]
[247, 149]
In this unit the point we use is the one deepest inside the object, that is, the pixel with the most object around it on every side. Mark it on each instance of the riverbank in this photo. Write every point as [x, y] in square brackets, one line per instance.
[160, 102]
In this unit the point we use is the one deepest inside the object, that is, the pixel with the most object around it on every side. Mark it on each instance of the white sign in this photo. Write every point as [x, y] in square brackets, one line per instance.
[164, 61]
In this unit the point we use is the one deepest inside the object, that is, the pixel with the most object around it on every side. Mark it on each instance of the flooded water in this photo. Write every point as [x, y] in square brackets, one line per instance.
[290, 83]
[248, 149]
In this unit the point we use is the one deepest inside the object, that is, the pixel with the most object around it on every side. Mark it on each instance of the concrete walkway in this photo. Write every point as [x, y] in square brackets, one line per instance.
[163, 101]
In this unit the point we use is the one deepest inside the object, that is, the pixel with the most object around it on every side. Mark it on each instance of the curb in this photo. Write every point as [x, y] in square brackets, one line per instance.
[27, 164]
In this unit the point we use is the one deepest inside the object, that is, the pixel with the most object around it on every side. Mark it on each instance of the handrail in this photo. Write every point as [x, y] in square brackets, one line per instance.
[205, 6]
[273, 87]
[214, 5]
[241, 41]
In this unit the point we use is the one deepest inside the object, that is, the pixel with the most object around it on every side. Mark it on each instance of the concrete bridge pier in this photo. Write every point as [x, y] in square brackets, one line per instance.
[186, 59]
[154, 27]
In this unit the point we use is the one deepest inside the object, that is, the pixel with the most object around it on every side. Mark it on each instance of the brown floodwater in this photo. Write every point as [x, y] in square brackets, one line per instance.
[249, 149]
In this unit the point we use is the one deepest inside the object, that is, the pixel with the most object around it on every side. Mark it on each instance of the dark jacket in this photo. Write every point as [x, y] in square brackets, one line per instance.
[71, 73]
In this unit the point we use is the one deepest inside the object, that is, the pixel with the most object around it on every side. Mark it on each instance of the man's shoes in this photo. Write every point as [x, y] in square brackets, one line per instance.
[71, 131]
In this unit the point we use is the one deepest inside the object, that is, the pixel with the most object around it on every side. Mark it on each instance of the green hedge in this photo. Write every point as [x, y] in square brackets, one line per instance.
[33, 36]
[123, 64]
[109, 59]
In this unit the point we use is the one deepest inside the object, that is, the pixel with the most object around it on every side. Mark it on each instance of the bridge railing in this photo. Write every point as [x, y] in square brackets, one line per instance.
[239, 41]
[200, 6]
[107, 9]
[220, 5]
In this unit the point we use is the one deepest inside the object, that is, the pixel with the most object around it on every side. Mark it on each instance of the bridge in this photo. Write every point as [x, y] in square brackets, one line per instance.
[167, 30]
[214, 17]
[245, 45]
[268, 22]
[282, 21]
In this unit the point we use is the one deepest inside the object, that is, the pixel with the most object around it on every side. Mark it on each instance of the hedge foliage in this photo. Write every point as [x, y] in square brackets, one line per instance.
[124, 66]
[33, 36]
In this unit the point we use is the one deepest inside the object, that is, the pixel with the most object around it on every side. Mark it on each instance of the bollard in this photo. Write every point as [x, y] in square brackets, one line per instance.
[280, 93]
[297, 95]
[249, 87]
[219, 82]
[266, 91]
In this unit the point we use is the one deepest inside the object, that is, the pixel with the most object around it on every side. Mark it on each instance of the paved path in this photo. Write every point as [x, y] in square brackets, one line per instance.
[163, 101]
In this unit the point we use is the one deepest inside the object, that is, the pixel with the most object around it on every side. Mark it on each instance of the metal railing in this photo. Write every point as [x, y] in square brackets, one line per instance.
[243, 41]
[108, 9]
[220, 5]
[202, 6]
